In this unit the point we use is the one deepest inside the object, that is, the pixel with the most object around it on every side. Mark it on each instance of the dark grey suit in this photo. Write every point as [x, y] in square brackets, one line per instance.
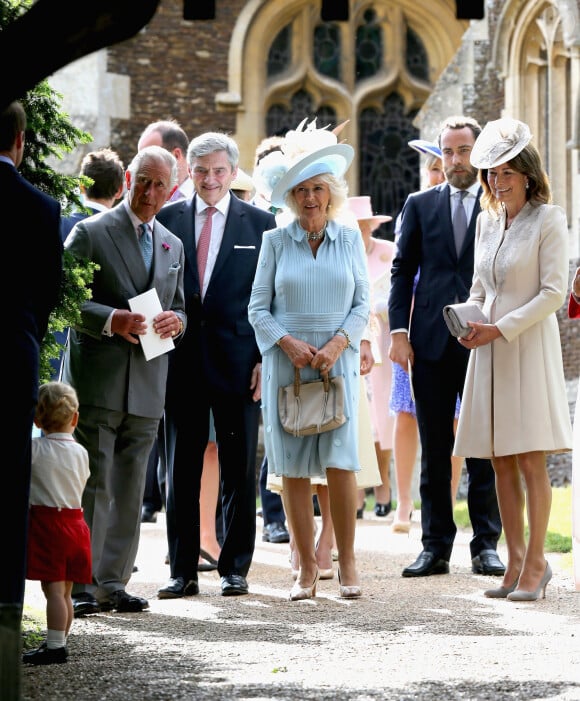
[121, 394]
[426, 243]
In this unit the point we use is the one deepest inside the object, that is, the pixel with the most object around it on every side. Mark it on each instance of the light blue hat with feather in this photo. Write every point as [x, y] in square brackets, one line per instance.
[306, 152]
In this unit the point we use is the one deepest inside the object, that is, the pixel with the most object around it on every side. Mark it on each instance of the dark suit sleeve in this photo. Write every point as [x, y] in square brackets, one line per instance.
[405, 266]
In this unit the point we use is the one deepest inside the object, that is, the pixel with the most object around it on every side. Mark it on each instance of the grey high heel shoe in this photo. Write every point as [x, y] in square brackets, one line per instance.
[501, 592]
[539, 593]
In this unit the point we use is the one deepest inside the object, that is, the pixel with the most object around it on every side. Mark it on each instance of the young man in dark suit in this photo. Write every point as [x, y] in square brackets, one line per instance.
[121, 392]
[217, 366]
[35, 250]
[430, 242]
[107, 172]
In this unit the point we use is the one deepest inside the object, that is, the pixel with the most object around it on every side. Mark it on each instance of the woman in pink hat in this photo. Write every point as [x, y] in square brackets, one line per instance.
[380, 254]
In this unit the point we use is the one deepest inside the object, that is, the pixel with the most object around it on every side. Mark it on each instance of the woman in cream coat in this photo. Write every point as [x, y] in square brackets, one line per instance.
[514, 408]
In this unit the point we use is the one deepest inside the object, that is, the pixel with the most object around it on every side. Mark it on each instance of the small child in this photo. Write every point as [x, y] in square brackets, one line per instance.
[59, 541]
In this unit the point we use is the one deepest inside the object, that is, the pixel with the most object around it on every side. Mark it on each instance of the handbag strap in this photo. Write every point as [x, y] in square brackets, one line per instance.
[325, 379]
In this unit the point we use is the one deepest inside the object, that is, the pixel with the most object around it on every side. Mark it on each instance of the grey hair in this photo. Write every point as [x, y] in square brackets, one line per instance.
[338, 194]
[210, 142]
[154, 153]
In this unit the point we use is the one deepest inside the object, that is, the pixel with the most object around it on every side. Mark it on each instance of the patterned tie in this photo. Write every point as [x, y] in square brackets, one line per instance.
[146, 243]
[203, 243]
[459, 222]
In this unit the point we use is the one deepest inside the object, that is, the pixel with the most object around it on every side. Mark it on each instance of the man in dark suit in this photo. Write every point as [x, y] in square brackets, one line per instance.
[107, 173]
[36, 243]
[121, 392]
[429, 242]
[217, 366]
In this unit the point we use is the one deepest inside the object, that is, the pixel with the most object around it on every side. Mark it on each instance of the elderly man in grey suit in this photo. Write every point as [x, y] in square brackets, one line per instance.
[121, 393]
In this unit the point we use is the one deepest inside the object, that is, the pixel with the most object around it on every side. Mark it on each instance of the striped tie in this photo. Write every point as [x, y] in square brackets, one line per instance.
[203, 244]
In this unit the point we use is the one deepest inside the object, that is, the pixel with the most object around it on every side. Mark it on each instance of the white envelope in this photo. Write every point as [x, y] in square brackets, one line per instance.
[149, 305]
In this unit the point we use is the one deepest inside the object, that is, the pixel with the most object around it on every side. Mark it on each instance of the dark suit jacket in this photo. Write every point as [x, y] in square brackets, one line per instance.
[67, 223]
[219, 342]
[426, 242]
[39, 269]
[33, 252]
[110, 372]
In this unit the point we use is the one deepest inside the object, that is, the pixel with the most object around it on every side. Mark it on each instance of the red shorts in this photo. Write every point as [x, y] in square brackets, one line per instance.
[59, 545]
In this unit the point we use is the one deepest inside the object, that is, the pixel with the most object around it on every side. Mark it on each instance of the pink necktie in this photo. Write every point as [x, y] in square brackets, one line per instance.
[203, 244]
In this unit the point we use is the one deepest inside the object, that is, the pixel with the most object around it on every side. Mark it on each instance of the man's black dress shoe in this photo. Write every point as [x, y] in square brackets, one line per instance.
[426, 564]
[84, 604]
[176, 588]
[488, 562]
[45, 655]
[122, 602]
[234, 584]
[275, 532]
[148, 515]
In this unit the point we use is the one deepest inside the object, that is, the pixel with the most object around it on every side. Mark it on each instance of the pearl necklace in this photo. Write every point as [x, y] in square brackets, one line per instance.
[317, 235]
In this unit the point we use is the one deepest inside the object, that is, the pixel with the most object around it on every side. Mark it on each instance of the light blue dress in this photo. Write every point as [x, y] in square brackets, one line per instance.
[309, 298]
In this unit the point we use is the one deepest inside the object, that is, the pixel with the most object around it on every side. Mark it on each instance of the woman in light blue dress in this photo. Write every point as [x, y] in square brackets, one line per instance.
[309, 307]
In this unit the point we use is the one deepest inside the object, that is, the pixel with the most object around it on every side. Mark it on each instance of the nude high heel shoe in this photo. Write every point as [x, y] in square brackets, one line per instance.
[399, 526]
[539, 593]
[501, 592]
[298, 593]
[350, 592]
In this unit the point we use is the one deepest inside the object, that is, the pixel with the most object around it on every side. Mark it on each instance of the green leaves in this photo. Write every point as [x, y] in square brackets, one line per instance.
[77, 278]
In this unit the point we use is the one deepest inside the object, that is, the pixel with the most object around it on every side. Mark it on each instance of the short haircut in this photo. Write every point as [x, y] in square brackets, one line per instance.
[210, 142]
[12, 122]
[459, 122]
[157, 153]
[171, 133]
[56, 406]
[106, 170]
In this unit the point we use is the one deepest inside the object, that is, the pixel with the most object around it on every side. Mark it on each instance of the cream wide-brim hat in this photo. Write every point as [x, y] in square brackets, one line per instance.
[428, 148]
[360, 208]
[499, 142]
[334, 159]
[242, 181]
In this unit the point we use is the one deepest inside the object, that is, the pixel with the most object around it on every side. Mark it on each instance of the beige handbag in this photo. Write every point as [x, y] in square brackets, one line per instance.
[457, 315]
[307, 408]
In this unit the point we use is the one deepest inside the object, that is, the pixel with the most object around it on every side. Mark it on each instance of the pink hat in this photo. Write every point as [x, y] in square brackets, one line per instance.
[361, 208]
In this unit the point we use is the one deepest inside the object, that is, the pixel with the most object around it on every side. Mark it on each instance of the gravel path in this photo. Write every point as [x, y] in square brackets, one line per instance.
[406, 639]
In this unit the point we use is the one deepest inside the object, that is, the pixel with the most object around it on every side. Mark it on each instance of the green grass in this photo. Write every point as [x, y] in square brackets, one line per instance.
[559, 535]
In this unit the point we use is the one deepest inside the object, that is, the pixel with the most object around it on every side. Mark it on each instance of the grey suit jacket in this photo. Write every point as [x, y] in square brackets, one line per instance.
[108, 371]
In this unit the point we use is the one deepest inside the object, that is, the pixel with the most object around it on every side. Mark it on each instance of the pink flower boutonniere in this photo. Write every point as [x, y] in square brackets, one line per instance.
[166, 246]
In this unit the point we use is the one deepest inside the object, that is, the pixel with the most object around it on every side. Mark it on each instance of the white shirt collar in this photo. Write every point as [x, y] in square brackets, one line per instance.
[222, 206]
[472, 189]
[134, 218]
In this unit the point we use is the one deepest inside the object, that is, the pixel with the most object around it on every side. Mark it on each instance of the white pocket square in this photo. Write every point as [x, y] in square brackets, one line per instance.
[253, 248]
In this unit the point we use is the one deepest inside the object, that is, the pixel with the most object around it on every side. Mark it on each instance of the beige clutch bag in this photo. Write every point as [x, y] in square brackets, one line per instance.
[457, 315]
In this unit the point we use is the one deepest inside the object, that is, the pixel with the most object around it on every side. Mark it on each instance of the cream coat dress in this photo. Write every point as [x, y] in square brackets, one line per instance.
[514, 399]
